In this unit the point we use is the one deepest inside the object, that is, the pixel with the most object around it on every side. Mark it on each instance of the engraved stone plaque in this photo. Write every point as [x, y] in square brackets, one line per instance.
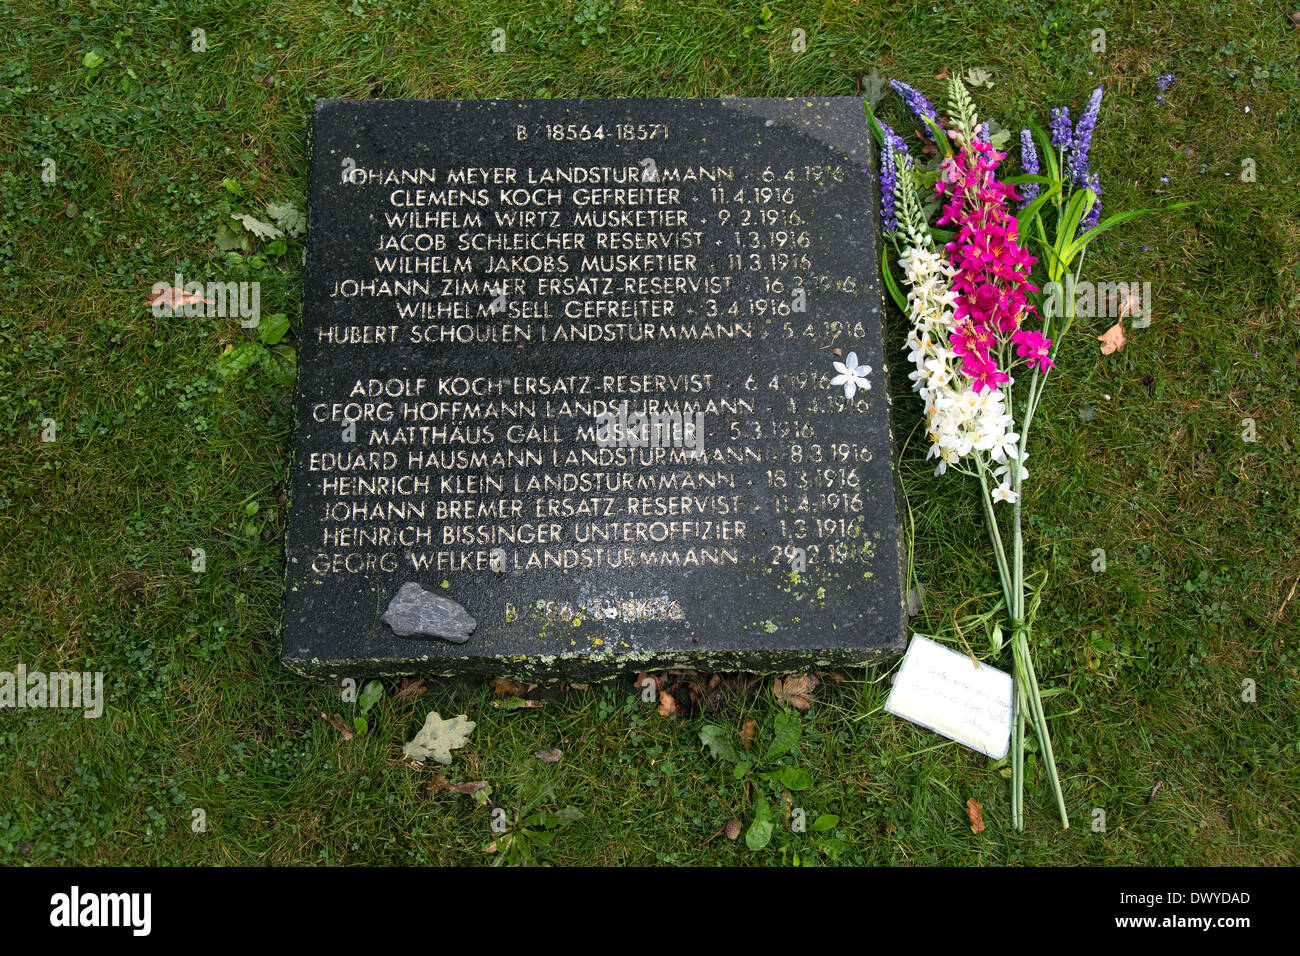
[597, 385]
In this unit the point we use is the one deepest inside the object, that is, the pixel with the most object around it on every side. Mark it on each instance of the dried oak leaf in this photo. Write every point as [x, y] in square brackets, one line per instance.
[1114, 339]
[174, 298]
[554, 755]
[338, 724]
[1128, 301]
[747, 732]
[975, 810]
[795, 690]
[438, 738]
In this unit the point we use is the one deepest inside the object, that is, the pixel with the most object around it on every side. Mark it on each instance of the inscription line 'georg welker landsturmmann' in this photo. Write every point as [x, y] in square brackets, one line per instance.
[565, 384]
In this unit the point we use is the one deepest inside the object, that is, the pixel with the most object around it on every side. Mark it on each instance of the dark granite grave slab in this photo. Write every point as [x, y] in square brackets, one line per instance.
[481, 277]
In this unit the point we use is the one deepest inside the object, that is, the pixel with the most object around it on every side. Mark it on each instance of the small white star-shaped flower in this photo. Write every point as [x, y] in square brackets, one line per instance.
[851, 375]
[1003, 492]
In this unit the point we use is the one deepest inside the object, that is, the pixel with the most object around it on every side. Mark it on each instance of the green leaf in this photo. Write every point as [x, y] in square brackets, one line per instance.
[833, 847]
[360, 725]
[792, 778]
[228, 239]
[940, 140]
[1046, 152]
[715, 742]
[437, 738]
[891, 284]
[873, 87]
[1026, 215]
[273, 328]
[788, 731]
[760, 831]
[740, 770]
[824, 822]
[262, 230]
[560, 818]
[370, 695]
[91, 60]
[288, 217]
[1113, 221]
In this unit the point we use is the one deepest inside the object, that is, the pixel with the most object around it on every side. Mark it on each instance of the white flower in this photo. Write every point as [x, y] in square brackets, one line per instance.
[1003, 492]
[1003, 472]
[1005, 447]
[852, 375]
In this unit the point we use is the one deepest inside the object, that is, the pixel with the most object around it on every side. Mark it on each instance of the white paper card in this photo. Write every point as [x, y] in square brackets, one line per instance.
[944, 691]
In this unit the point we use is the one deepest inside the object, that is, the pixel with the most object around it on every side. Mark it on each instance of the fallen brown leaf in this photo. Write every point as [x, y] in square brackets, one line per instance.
[469, 787]
[1128, 302]
[410, 687]
[975, 810]
[668, 706]
[795, 690]
[439, 783]
[1294, 17]
[554, 755]
[747, 733]
[175, 297]
[642, 677]
[338, 724]
[505, 687]
[1113, 340]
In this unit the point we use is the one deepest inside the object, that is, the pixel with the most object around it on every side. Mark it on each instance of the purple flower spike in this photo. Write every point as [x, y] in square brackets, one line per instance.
[1028, 164]
[1164, 81]
[917, 103]
[1060, 124]
[1076, 165]
[889, 176]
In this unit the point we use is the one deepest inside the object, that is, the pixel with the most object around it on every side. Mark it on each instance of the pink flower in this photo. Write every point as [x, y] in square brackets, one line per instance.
[1034, 347]
[992, 279]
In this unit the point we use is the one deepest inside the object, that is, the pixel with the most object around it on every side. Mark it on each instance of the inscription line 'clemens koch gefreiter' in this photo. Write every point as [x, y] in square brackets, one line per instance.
[565, 383]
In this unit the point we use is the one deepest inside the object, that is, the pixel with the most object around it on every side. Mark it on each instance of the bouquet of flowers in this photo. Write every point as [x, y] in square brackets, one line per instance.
[977, 321]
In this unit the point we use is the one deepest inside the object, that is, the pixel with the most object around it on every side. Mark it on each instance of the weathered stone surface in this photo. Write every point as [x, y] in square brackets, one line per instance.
[414, 612]
[484, 279]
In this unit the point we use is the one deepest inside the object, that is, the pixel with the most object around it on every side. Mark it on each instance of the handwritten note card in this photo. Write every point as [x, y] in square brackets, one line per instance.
[945, 692]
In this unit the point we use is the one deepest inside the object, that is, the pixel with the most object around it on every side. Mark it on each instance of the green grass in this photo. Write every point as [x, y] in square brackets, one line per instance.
[157, 453]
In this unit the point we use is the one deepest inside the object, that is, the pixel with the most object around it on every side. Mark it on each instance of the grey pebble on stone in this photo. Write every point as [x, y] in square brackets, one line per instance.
[414, 612]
